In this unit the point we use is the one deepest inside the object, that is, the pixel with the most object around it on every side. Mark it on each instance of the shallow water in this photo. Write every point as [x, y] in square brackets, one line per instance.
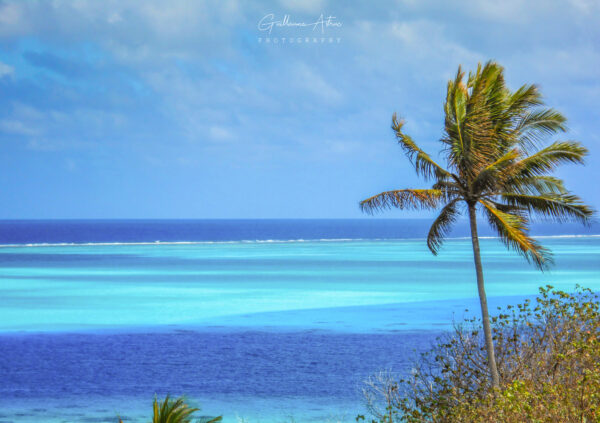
[256, 285]
[261, 331]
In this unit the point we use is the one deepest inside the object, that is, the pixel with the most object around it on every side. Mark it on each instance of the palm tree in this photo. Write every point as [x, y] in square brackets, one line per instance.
[175, 411]
[495, 164]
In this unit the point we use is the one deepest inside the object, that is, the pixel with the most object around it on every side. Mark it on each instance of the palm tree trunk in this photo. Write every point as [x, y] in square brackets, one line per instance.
[485, 317]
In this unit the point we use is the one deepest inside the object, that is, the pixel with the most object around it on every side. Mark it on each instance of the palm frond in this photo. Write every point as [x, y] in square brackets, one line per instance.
[559, 207]
[513, 229]
[441, 226]
[455, 109]
[536, 185]
[547, 159]
[481, 129]
[172, 411]
[535, 126]
[423, 163]
[526, 97]
[404, 199]
[450, 186]
[495, 172]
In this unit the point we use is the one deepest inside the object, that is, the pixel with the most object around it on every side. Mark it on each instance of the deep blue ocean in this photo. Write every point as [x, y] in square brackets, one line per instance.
[258, 320]
[132, 231]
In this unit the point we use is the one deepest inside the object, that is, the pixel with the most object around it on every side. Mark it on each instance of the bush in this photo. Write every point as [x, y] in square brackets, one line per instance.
[548, 357]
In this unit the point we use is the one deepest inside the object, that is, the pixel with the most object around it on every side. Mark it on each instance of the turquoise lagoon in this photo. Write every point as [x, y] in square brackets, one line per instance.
[333, 285]
[258, 331]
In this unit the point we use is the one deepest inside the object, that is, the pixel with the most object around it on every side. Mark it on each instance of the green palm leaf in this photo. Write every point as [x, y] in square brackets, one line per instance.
[495, 172]
[172, 411]
[442, 225]
[512, 229]
[536, 185]
[548, 158]
[534, 126]
[176, 411]
[559, 207]
[403, 199]
[522, 100]
[424, 164]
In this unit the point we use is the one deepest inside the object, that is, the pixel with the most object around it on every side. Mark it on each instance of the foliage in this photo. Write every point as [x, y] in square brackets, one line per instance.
[548, 357]
[495, 161]
[175, 411]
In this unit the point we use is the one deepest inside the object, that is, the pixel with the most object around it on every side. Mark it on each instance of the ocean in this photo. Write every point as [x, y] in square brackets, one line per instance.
[257, 320]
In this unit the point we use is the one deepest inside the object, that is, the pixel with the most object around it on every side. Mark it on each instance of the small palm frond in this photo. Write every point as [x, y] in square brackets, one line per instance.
[559, 207]
[455, 109]
[536, 185]
[473, 140]
[450, 186]
[547, 159]
[512, 229]
[456, 96]
[535, 126]
[441, 226]
[522, 100]
[172, 411]
[423, 163]
[495, 172]
[404, 199]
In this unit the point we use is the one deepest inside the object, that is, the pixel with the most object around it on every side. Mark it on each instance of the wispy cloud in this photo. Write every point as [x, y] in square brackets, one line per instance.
[132, 84]
[6, 70]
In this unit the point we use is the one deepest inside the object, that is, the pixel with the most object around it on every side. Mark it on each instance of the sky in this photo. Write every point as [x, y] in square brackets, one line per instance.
[181, 109]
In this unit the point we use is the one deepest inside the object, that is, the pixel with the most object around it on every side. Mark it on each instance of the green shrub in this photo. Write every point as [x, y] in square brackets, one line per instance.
[548, 357]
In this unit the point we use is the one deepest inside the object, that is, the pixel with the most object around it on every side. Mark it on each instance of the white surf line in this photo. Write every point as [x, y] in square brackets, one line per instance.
[261, 241]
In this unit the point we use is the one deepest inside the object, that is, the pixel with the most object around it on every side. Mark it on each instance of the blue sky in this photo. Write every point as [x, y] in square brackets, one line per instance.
[127, 109]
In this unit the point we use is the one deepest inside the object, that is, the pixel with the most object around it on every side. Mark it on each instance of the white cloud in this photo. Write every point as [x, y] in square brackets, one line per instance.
[586, 6]
[115, 18]
[195, 62]
[308, 78]
[307, 6]
[12, 19]
[421, 46]
[218, 133]
[505, 10]
[6, 70]
[18, 127]
[137, 33]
